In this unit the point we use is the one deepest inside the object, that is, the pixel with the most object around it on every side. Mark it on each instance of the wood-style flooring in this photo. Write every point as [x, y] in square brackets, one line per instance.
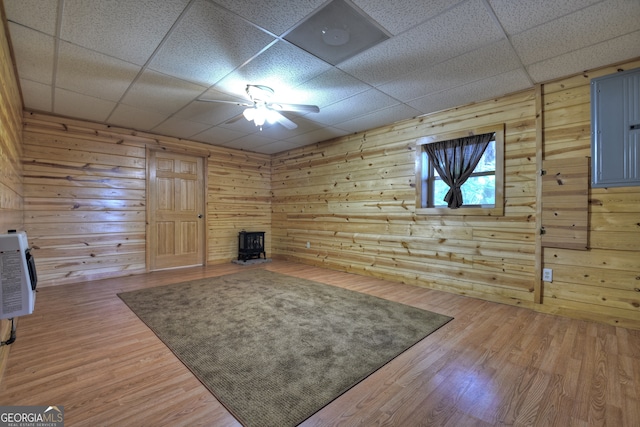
[493, 365]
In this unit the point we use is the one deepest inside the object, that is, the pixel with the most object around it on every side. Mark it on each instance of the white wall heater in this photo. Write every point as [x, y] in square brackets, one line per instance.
[18, 278]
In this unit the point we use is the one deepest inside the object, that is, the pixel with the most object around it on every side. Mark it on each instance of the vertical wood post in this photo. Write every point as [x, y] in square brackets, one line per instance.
[537, 277]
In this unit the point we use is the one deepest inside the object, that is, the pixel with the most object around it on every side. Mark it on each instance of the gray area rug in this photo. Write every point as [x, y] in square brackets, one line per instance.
[274, 349]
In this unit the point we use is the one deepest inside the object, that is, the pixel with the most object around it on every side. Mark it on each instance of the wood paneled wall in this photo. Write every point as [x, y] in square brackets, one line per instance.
[353, 200]
[11, 193]
[239, 198]
[10, 141]
[84, 200]
[85, 197]
[602, 283]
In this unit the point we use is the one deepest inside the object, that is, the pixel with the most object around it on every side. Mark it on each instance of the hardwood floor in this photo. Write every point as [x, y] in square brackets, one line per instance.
[493, 365]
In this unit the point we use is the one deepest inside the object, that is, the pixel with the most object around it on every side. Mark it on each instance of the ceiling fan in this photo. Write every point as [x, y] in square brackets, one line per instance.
[262, 109]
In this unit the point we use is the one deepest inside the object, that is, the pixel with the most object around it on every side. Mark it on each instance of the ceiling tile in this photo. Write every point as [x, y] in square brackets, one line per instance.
[517, 16]
[274, 16]
[71, 104]
[39, 15]
[251, 142]
[179, 128]
[34, 54]
[379, 118]
[125, 29]
[273, 68]
[211, 93]
[444, 37]
[161, 93]
[355, 106]
[218, 135]
[92, 73]
[189, 53]
[209, 112]
[320, 134]
[327, 88]
[605, 53]
[136, 118]
[36, 95]
[475, 65]
[577, 30]
[277, 147]
[336, 32]
[495, 86]
[400, 15]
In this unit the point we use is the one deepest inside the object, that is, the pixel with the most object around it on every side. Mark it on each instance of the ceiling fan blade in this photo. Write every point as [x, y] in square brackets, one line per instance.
[234, 119]
[284, 121]
[241, 104]
[294, 107]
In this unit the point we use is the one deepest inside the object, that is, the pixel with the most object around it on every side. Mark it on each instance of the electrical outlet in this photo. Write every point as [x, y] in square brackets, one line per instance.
[547, 275]
[308, 245]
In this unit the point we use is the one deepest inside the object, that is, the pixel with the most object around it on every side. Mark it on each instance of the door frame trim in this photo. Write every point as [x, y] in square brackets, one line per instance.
[205, 203]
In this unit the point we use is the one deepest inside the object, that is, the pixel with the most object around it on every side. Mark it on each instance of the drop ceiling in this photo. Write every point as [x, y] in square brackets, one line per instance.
[142, 64]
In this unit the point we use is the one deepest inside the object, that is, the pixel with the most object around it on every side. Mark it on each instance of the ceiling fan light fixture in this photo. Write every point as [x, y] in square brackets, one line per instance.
[262, 110]
[260, 116]
[249, 113]
[259, 92]
[272, 116]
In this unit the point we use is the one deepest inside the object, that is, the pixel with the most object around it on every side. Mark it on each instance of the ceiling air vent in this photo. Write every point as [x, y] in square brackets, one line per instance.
[337, 32]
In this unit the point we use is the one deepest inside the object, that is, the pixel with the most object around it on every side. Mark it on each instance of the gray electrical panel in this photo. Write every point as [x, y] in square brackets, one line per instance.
[615, 130]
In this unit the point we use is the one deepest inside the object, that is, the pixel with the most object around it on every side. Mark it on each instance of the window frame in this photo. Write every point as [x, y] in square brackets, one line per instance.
[480, 210]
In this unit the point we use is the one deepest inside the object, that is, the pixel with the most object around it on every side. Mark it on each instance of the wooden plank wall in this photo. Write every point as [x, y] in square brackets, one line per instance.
[85, 197]
[84, 201]
[10, 141]
[239, 198]
[353, 200]
[11, 193]
[602, 283]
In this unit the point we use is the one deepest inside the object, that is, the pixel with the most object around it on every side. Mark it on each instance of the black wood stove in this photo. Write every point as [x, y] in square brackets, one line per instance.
[251, 245]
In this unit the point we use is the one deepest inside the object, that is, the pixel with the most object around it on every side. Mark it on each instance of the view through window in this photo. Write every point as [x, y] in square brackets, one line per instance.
[479, 189]
[482, 192]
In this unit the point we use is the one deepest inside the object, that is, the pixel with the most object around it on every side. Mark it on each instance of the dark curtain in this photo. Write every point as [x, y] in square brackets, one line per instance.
[455, 161]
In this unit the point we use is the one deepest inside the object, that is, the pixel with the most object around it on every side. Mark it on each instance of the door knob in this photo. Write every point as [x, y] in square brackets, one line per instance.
[199, 215]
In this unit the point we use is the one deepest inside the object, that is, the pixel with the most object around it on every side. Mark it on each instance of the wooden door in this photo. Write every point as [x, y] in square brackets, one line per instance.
[175, 235]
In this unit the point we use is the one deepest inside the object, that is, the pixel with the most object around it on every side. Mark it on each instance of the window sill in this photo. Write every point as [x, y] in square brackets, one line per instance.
[469, 211]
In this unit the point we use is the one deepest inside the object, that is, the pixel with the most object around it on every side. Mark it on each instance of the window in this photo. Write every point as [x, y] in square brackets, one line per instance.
[482, 190]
